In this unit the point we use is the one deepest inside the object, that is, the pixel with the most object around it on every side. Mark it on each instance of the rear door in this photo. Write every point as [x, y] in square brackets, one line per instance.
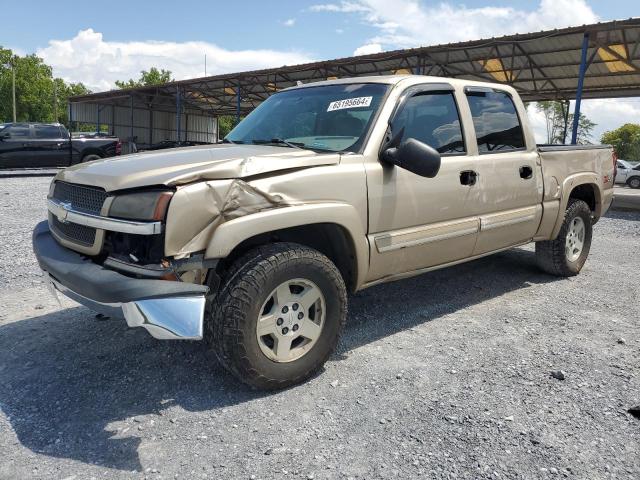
[50, 148]
[14, 146]
[509, 175]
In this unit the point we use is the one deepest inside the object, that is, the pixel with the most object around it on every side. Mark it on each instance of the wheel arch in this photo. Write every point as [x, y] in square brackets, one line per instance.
[583, 186]
[633, 176]
[333, 229]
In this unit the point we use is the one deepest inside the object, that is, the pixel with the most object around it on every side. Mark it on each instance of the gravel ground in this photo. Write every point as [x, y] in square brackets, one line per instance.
[446, 375]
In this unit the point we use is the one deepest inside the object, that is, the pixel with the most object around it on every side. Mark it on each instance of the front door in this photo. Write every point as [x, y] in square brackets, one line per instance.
[417, 222]
[509, 176]
[14, 146]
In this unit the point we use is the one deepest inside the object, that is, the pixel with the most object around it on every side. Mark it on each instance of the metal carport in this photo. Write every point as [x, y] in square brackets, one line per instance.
[591, 61]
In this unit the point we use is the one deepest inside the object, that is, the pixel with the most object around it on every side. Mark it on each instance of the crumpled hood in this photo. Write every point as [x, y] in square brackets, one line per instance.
[185, 165]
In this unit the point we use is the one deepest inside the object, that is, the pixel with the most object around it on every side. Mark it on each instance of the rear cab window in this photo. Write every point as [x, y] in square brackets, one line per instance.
[496, 122]
[46, 132]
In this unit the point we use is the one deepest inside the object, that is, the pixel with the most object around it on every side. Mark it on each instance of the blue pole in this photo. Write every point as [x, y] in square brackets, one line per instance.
[583, 71]
[238, 105]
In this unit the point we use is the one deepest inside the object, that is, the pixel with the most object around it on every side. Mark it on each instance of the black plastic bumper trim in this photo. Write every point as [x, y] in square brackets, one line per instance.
[79, 274]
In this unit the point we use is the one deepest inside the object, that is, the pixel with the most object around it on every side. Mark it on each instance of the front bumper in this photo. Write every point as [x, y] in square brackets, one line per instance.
[167, 309]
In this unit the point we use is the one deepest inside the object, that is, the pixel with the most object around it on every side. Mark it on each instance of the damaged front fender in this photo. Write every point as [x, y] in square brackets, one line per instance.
[197, 210]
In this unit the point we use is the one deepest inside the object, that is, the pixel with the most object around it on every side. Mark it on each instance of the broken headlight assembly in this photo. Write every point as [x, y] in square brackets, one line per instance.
[150, 205]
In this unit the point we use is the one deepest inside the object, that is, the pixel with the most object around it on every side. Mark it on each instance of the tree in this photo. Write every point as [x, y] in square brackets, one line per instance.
[625, 140]
[147, 78]
[225, 125]
[39, 96]
[554, 112]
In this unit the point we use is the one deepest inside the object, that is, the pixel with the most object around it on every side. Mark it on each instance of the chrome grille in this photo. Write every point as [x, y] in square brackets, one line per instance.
[74, 232]
[82, 198]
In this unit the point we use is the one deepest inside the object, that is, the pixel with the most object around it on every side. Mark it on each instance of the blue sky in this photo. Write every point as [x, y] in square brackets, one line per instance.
[233, 25]
[98, 43]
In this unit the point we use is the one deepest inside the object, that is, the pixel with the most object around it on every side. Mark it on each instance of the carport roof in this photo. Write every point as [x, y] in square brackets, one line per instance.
[541, 66]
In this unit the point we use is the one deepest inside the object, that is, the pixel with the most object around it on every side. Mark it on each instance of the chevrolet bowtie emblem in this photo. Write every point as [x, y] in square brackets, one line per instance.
[62, 214]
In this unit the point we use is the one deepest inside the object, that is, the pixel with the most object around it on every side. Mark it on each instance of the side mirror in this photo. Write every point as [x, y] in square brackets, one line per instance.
[415, 156]
[4, 136]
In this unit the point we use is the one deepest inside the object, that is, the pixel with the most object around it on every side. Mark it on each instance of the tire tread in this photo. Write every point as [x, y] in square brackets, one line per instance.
[550, 254]
[239, 287]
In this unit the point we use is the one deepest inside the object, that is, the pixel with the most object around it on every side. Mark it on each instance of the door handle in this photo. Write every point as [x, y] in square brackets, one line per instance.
[468, 177]
[526, 172]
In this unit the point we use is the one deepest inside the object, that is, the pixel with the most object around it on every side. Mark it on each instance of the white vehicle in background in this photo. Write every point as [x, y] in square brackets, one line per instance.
[628, 173]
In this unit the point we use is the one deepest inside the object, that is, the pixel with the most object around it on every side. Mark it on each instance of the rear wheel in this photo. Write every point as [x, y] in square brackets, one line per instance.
[90, 157]
[566, 255]
[634, 182]
[278, 315]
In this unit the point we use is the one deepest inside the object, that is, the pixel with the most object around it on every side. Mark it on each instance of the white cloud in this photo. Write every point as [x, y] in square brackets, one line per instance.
[423, 24]
[608, 114]
[98, 63]
[443, 23]
[344, 7]
[368, 49]
[289, 22]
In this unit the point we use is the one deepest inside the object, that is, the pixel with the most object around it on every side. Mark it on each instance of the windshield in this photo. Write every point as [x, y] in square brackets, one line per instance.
[327, 118]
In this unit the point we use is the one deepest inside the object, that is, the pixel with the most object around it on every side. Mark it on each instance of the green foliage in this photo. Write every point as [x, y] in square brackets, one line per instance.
[39, 96]
[225, 125]
[147, 78]
[554, 115]
[625, 140]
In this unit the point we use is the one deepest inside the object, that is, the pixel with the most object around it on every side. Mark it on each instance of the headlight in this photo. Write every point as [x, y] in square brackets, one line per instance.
[141, 206]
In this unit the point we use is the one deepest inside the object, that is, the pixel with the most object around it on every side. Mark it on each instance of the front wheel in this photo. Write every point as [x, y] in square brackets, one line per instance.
[634, 182]
[278, 316]
[566, 255]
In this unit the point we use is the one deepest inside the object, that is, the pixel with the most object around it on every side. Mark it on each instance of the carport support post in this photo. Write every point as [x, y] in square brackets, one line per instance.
[583, 71]
[131, 117]
[238, 98]
[97, 118]
[178, 108]
[565, 114]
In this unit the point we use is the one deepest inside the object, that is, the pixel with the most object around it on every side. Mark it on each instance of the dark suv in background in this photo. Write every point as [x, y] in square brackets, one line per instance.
[37, 145]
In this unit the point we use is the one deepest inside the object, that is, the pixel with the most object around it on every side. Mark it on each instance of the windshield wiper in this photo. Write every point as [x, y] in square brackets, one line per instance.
[235, 142]
[280, 141]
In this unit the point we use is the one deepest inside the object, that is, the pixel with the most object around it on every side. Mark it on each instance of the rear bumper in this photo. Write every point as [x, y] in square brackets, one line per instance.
[167, 309]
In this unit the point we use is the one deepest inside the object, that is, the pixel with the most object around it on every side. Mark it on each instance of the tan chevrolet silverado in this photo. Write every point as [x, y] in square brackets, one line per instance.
[324, 189]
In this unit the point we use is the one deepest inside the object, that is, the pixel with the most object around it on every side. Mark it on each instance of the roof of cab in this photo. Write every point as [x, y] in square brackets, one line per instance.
[411, 79]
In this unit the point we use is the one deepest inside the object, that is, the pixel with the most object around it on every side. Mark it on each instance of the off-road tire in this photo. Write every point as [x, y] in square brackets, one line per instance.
[90, 157]
[234, 311]
[551, 255]
[634, 182]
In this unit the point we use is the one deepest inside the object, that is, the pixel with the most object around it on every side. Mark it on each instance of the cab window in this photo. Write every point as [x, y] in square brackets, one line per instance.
[46, 132]
[433, 119]
[17, 132]
[496, 122]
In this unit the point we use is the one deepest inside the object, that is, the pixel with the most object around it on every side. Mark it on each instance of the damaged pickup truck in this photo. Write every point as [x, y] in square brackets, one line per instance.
[324, 189]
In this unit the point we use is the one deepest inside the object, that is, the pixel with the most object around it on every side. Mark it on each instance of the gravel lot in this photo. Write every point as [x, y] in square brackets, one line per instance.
[446, 375]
